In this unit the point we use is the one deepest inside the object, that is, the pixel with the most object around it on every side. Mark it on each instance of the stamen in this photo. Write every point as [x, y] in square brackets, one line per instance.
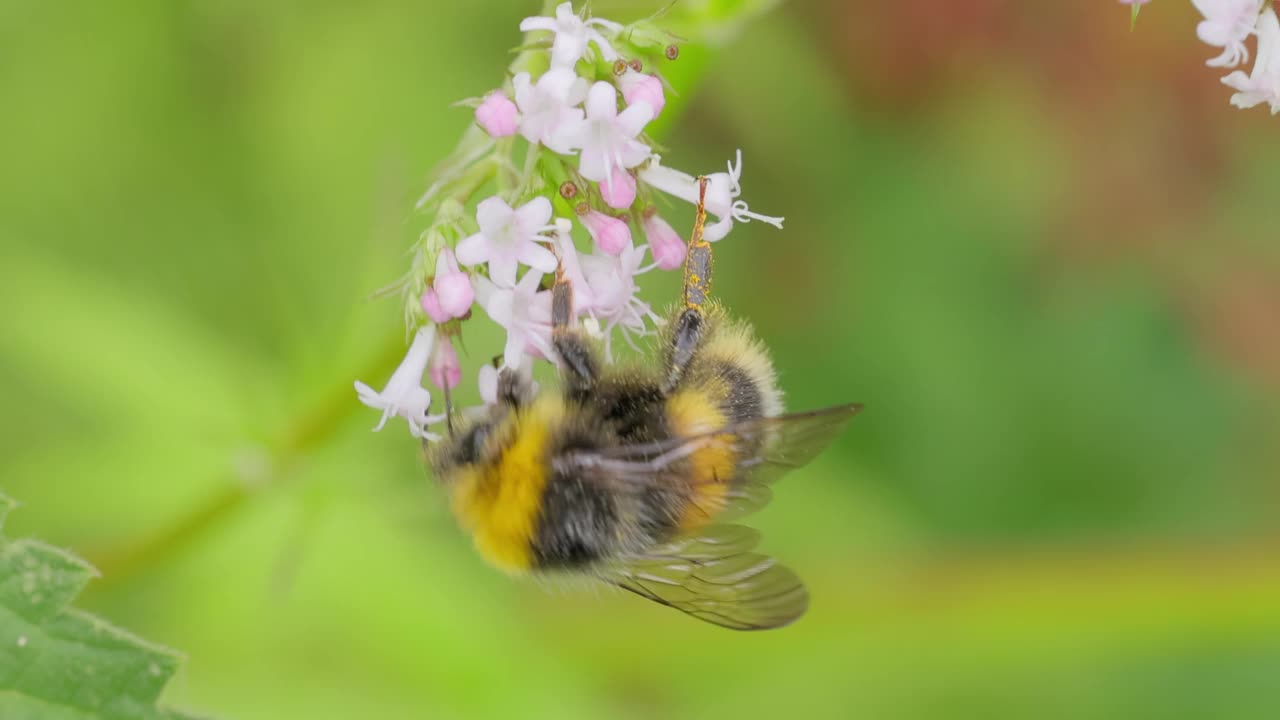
[743, 215]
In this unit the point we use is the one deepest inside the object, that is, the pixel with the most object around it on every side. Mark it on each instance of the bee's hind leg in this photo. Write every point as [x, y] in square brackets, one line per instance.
[691, 323]
[578, 365]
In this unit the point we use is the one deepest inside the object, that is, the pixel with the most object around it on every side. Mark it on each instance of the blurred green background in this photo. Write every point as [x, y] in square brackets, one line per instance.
[1041, 249]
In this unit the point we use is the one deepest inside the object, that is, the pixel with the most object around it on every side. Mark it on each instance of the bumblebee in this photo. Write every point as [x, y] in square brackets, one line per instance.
[633, 475]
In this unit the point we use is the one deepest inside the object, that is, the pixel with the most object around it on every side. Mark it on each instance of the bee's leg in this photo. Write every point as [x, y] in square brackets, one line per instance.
[578, 365]
[691, 322]
[515, 389]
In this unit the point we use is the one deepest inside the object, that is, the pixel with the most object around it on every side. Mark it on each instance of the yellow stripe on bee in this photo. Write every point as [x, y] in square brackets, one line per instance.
[500, 503]
[695, 412]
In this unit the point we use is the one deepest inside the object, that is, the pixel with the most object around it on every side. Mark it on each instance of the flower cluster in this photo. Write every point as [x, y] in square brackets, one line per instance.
[561, 149]
[1227, 25]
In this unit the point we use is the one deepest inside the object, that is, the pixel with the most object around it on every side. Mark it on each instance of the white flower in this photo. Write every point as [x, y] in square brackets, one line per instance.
[487, 383]
[547, 106]
[605, 290]
[523, 311]
[404, 395]
[607, 138]
[723, 190]
[1226, 25]
[573, 34]
[1264, 84]
[509, 238]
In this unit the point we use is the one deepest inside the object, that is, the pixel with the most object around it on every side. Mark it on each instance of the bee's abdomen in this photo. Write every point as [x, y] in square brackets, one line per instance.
[577, 522]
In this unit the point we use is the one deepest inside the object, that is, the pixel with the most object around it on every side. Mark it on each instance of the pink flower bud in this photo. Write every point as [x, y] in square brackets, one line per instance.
[619, 190]
[666, 246]
[642, 87]
[431, 306]
[450, 295]
[453, 285]
[444, 368]
[612, 235]
[497, 115]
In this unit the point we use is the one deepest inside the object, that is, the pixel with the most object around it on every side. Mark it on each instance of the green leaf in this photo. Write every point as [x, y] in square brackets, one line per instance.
[57, 662]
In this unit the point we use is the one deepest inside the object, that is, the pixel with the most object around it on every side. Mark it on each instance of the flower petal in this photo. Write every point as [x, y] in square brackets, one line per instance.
[534, 215]
[568, 134]
[368, 396]
[602, 102]
[558, 83]
[632, 153]
[514, 348]
[632, 120]
[492, 213]
[473, 250]
[528, 284]
[531, 24]
[537, 257]
[593, 164]
[502, 269]
[523, 87]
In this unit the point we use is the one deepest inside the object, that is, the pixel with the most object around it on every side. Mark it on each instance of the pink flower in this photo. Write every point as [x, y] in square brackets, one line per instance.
[610, 234]
[640, 87]
[607, 137]
[523, 311]
[665, 243]
[450, 295]
[444, 369]
[509, 238]
[620, 190]
[497, 115]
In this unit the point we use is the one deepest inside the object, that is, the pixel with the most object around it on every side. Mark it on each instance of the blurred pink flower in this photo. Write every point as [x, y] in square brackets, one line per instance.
[497, 115]
[444, 369]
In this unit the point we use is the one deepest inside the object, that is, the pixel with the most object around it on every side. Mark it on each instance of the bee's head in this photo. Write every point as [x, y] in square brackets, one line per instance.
[472, 436]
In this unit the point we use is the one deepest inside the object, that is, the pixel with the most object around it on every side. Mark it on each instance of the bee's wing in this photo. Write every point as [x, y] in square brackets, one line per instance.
[714, 576]
[773, 446]
[712, 572]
